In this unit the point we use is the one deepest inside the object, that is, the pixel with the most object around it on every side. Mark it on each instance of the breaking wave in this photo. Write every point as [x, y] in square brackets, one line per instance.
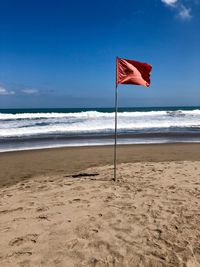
[95, 122]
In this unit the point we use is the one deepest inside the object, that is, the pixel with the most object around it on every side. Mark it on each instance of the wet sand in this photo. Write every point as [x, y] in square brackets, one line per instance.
[23, 165]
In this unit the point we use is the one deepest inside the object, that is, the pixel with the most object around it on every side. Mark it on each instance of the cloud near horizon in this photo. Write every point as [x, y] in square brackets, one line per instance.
[3, 91]
[30, 91]
[183, 12]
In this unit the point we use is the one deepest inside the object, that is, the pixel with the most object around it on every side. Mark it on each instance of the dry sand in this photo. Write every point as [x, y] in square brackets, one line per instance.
[150, 217]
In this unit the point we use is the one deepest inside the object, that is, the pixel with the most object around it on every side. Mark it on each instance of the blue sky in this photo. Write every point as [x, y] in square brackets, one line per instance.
[62, 53]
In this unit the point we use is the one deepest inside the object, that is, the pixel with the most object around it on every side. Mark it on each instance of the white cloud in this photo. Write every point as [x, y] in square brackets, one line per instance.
[169, 2]
[181, 10]
[3, 91]
[184, 13]
[30, 91]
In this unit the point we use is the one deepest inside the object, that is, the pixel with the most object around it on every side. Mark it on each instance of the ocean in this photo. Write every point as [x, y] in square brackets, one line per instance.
[22, 129]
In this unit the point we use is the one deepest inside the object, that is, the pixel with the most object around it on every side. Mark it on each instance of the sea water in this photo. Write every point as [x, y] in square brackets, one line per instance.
[40, 128]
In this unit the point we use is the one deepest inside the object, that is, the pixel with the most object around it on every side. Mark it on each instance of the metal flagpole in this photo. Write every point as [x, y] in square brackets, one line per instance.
[115, 145]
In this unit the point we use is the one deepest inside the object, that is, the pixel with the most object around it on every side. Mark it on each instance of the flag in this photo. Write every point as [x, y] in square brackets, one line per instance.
[132, 72]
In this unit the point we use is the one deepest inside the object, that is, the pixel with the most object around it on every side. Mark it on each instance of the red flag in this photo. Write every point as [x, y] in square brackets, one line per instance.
[133, 72]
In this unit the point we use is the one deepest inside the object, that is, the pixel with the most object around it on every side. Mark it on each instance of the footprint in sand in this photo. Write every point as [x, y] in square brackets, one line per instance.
[43, 217]
[18, 241]
[41, 209]
[76, 199]
[12, 210]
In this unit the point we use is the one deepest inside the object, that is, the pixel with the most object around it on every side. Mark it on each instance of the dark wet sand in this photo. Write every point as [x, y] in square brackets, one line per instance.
[22, 165]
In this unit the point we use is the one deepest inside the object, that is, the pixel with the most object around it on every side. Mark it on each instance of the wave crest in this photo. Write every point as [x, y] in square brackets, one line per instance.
[95, 122]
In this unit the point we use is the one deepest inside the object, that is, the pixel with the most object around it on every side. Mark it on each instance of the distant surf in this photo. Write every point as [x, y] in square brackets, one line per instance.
[28, 129]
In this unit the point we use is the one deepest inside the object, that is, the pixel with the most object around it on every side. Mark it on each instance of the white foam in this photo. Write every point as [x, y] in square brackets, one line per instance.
[32, 124]
[93, 114]
[84, 114]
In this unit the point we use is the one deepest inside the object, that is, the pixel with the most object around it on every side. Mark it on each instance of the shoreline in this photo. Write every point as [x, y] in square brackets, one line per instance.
[17, 166]
[62, 141]
[158, 142]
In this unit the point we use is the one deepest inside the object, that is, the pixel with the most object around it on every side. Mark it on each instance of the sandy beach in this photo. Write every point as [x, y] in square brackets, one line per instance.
[60, 207]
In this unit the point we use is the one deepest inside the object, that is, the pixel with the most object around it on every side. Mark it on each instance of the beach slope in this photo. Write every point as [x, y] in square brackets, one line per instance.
[150, 217]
